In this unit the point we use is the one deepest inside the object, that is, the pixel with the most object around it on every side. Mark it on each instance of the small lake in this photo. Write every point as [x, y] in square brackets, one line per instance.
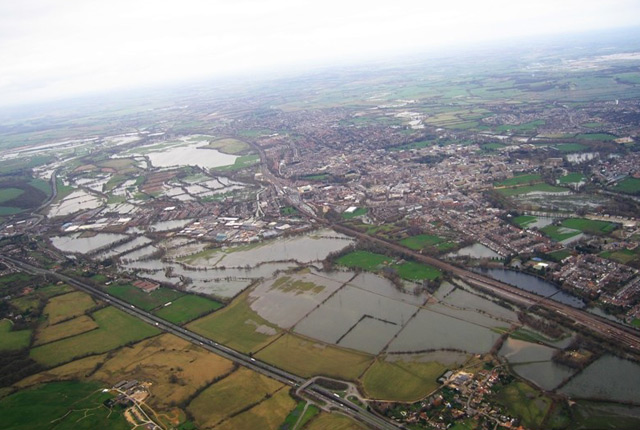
[533, 285]
[477, 250]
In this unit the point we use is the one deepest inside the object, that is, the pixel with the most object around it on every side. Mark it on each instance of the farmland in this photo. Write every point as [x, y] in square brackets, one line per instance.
[66, 306]
[230, 395]
[187, 308]
[64, 329]
[412, 380]
[237, 326]
[523, 401]
[268, 414]
[628, 186]
[589, 226]
[115, 329]
[333, 422]
[141, 299]
[307, 357]
[72, 405]
[364, 260]
[13, 340]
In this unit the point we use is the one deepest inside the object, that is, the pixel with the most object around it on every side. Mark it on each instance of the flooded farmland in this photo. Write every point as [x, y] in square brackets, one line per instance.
[85, 244]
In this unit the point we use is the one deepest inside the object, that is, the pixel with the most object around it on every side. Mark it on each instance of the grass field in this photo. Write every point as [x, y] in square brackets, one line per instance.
[232, 394]
[236, 326]
[541, 188]
[623, 256]
[28, 303]
[519, 180]
[412, 381]
[333, 422]
[417, 271]
[269, 414]
[67, 405]
[523, 401]
[142, 300]
[176, 368]
[628, 186]
[229, 146]
[596, 136]
[306, 357]
[13, 340]
[572, 178]
[187, 308]
[293, 417]
[523, 221]
[571, 147]
[358, 212]
[559, 233]
[73, 327]
[589, 225]
[364, 260]
[240, 163]
[421, 241]
[7, 194]
[115, 328]
[66, 306]
[559, 255]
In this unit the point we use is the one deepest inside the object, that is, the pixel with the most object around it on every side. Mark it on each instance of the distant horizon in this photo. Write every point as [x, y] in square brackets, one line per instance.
[35, 85]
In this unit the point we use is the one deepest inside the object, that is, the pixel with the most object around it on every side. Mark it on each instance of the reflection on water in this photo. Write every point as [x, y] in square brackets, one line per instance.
[610, 378]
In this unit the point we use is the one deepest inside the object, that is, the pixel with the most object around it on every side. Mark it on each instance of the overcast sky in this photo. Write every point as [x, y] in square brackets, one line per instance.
[60, 48]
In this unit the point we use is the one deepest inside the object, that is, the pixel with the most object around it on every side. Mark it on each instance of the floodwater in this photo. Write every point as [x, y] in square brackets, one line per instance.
[83, 245]
[140, 253]
[191, 155]
[534, 285]
[448, 358]
[75, 202]
[477, 250]
[169, 225]
[545, 374]
[121, 249]
[304, 249]
[466, 300]
[284, 301]
[369, 335]
[540, 222]
[610, 378]
[434, 331]
[520, 351]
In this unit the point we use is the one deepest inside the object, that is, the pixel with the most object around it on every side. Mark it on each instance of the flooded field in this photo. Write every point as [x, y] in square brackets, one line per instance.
[169, 225]
[545, 374]
[121, 249]
[75, 202]
[596, 381]
[84, 245]
[466, 300]
[191, 155]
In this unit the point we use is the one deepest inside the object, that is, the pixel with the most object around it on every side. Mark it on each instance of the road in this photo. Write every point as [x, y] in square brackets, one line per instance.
[618, 334]
[342, 405]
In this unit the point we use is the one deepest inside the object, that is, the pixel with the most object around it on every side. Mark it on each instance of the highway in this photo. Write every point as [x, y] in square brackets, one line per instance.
[619, 334]
[342, 405]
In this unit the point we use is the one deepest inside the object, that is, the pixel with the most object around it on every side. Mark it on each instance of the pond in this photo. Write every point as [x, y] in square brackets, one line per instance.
[477, 250]
[533, 285]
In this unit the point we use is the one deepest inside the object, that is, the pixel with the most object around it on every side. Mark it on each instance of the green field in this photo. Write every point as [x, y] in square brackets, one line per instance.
[559, 255]
[421, 241]
[115, 328]
[187, 308]
[572, 178]
[523, 221]
[7, 194]
[589, 226]
[141, 299]
[417, 271]
[520, 180]
[13, 340]
[229, 146]
[69, 328]
[623, 256]
[268, 414]
[524, 402]
[412, 381]
[293, 417]
[60, 308]
[236, 326]
[364, 260]
[493, 146]
[596, 136]
[306, 357]
[358, 212]
[571, 147]
[543, 188]
[628, 186]
[240, 163]
[69, 405]
[559, 233]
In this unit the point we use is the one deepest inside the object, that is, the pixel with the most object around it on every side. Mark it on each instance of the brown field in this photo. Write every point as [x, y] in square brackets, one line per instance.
[175, 367]
[61, 330]
[66, 306]
[265, 416]
[75, 370]
[333, 422]
[242, 388]
[307, 357]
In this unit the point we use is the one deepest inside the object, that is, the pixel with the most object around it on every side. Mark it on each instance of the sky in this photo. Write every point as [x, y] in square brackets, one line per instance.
[52, 49]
